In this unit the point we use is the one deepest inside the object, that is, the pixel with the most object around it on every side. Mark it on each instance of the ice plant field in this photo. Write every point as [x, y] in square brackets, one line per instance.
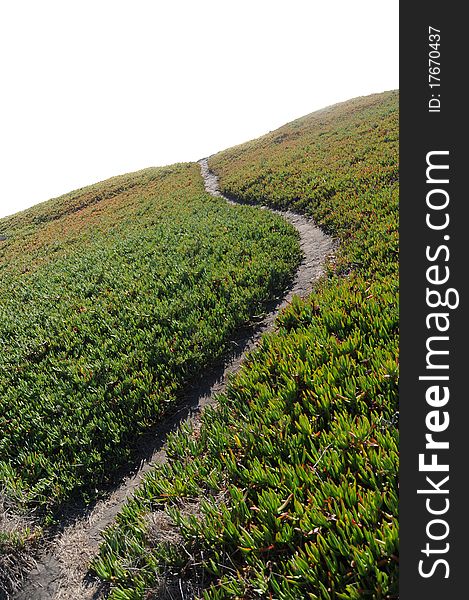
[288, 490]
[112, 298]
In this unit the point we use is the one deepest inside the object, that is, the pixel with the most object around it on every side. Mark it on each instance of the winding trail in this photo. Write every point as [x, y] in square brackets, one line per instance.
[61, 572]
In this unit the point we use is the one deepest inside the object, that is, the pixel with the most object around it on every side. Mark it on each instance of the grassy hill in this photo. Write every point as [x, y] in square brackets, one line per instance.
[113, 296]
[289, 488]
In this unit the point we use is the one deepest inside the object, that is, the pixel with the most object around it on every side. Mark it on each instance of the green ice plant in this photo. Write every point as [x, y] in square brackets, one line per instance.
[294, 476]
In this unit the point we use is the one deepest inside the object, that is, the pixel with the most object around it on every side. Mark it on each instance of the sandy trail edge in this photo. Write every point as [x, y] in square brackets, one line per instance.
[61, 572]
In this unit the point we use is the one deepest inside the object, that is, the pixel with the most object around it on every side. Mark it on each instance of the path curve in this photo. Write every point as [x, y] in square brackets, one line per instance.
[61, 573]
[315, 244]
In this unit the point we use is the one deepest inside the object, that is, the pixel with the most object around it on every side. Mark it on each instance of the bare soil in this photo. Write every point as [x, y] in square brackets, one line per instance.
[61, 569]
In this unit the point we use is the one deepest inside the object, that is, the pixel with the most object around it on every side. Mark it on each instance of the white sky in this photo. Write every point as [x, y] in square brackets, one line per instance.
[95, 88]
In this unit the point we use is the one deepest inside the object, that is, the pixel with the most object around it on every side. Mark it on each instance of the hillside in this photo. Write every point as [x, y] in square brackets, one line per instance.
[288, 489]
[113, 298]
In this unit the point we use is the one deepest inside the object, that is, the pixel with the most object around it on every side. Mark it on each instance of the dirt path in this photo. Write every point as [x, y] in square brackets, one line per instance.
[61, 571]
